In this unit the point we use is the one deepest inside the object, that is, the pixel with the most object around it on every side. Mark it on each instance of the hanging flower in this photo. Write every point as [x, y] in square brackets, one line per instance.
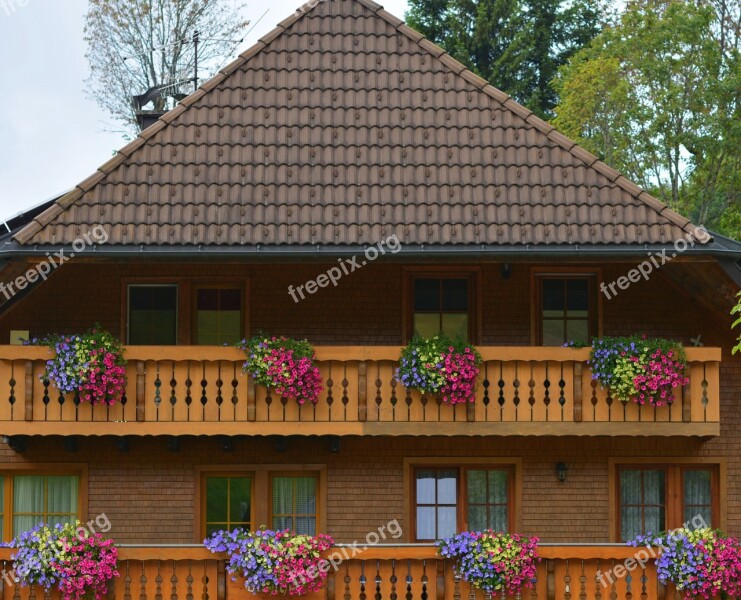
[273, 562]
[439, 365]
[90, 364]
[492, 561]
[288, 366]
[66, 557]
[701, 563]
[639, 369]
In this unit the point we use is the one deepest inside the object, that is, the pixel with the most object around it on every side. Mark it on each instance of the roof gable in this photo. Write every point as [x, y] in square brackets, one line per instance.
[343, 126]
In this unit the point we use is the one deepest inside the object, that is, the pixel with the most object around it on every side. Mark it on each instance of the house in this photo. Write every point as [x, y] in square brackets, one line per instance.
[346, 181]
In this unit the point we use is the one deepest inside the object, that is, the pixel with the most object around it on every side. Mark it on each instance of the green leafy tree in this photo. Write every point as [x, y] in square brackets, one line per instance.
[517, 45]
[736, 310]
[657, 97]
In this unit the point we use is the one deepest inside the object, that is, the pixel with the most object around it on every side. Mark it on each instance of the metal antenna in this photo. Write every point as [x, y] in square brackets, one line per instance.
[195, 49]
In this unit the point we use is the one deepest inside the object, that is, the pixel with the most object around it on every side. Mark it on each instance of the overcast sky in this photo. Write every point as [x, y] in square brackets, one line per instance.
[51, 135]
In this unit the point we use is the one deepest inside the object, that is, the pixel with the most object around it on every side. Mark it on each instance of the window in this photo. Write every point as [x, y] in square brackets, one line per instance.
[227, 502]
[659, 497]
[294, 502]
[452, 499]
[152, 318]
[566, 309]
[441, 305]
[49, 498]
[218, 316]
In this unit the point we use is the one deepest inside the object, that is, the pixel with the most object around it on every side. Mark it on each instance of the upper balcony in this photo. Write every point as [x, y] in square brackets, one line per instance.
[201, 390]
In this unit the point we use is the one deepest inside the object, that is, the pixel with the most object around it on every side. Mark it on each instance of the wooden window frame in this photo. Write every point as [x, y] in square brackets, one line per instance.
[186, 313]
[674, 487]
[538, 274]
[514, 494]
[471, 273]
[204, 475]
[316, 474]
[127, 304]
[8, 472]
[261, 486]
[217, 286]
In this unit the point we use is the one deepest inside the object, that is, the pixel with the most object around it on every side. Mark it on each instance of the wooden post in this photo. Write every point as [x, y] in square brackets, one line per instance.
[440, 582]
[220, 580]
[330, 585]
[577, 392]
[140, 390]
[551, 580]
[687, 402]
[471, 411]
[251, 399]
[362, 391]
[28, 400]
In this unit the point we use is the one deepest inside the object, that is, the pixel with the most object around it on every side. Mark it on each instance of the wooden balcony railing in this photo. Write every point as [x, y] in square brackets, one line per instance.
[175, 390]
[409, 572]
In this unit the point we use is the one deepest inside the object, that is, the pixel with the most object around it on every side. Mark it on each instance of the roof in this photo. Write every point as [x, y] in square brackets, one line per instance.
[343, 126]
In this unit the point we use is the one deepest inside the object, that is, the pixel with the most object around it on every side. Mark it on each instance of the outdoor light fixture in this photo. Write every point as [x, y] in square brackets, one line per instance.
[506, 271]
[334, 444]
[561, 470]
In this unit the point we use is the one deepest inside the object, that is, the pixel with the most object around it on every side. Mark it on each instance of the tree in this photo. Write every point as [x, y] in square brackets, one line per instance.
[517, 45]
[135, 45]
[736, 310]
[657, 97]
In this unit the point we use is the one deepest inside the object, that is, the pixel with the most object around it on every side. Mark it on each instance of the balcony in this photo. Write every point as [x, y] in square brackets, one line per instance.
[201, 390]
[383, 572]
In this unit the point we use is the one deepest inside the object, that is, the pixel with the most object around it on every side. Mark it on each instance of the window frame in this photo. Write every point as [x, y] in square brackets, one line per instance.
[204, 475]
[471, 273]
[9, 472]
[157, 283]
[539, 274]
[316, 474]
[208, 285]
[674, 488]
[261, 486]
[463, 465]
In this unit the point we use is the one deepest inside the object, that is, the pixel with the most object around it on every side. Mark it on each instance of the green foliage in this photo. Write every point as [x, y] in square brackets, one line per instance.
[517, 45]
[736, 310]
[657, 97]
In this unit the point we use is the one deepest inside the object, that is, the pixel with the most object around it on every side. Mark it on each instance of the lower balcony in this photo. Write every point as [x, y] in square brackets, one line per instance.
[384, 572]
[201, 390]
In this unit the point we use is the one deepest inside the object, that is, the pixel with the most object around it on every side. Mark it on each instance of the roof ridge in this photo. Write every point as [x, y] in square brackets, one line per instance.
[571, 147]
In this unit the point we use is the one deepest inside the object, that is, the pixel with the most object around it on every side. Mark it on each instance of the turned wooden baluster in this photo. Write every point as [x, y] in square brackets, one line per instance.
[143, 584]
[362, 392]
[347, 580]
[393, 580]
[174, 582]
[158, 580]
[409, 581]
[377, 581]
[424, 580]
[362, 580]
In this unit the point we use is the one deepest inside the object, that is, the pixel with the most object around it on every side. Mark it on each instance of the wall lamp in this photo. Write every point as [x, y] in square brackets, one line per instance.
[561, 470]
[506, 270]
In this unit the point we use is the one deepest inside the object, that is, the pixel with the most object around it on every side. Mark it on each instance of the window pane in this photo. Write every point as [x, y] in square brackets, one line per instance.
[219, 316]
[231, 300]
[426, 295]
[577, 331]
[62, 495]
[426, 487]
[306, 525]
[654, 519]
[498, 518]
[426, 324]
[498, 488]
[152, 314]
[426, 523]
[446, 521]
[217, 499]
[239, 500]
[455, 295]
[476, 487]
[208, 300]
[283, 523]
[477, 518]
[630, 523]
[455, 325]
[577, 296]
[446, 487]
[294, 503]
[553, 333]
[28, 494]
[553, 292]
[630, 487]
[698, 498]
[305, 495]
[282, 495]
[653, 484]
